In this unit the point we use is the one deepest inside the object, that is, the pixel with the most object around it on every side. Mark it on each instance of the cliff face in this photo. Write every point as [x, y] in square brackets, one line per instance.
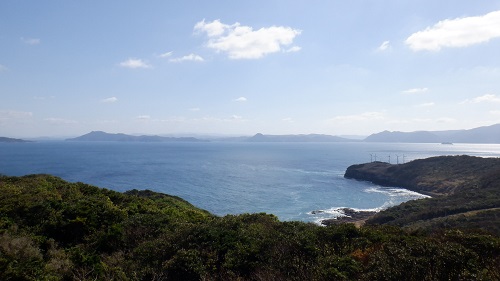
[441, 175]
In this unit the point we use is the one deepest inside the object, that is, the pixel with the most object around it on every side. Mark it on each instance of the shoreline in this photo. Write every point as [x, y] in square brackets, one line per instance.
[358, 218]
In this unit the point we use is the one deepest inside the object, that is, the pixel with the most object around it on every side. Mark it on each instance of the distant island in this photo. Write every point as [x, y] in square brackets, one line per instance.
[103, 136]
[487, 134]
[12, 140]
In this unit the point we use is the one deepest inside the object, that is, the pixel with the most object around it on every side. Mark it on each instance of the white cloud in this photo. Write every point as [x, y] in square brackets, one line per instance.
[190, 57]
[384, 46]
[460, 32]
[242, 42]
[213, 29]
[415, 91]
[134, 63]
[489, 98]
[241, 99]
[31, 41]
[109, 100]
[166, 55]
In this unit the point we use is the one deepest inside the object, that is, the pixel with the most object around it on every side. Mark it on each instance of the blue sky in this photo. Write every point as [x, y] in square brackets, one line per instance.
[244, 67]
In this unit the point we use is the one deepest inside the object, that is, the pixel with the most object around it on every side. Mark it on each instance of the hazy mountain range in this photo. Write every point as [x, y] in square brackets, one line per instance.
[103, 136]
[487, 134]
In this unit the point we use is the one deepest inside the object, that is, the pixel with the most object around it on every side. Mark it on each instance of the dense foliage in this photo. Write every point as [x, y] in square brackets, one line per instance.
[54, 230]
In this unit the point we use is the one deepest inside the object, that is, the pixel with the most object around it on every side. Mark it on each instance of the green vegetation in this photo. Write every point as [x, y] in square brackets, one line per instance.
[54, 230]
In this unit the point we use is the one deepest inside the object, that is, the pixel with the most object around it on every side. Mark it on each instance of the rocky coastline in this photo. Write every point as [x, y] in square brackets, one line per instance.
[357, 218]
[465, 193]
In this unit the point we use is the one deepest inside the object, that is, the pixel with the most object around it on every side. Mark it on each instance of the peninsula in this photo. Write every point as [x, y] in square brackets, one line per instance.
[465, 192]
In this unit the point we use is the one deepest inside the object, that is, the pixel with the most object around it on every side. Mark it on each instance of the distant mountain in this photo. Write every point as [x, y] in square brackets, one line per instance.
[296, 138]
[4, 139]
[103, 136]
[487, 134]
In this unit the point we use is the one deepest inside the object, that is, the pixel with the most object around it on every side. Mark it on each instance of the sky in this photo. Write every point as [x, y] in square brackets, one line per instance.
[245, 67]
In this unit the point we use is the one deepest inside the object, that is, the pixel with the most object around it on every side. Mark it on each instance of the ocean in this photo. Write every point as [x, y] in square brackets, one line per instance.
[290, 180]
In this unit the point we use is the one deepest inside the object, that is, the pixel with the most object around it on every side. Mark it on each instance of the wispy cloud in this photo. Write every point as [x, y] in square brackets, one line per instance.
[44, 98]
[13, 114]
[359, 117]
[60, 121]
[31, 41]
[143, 117]
[385, 46]
[109, 100]
[293, 49]
[446, 120]
[135, 63]
[460, 32]
[415, 91]
[240, 99]
[488, 98]
[190, 57]
[166, 55]
[427, 104]
[242, 42]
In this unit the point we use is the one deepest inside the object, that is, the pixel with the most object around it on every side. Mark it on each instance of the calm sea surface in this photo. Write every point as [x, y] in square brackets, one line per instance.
[289, 180]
